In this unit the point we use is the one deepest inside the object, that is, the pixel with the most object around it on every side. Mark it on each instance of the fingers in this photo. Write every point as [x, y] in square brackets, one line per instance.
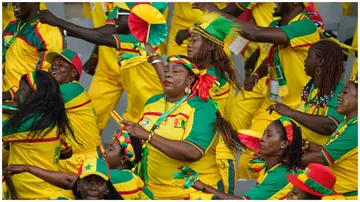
[271, 108]
[124, 122]
[248, 87]
[199, 6]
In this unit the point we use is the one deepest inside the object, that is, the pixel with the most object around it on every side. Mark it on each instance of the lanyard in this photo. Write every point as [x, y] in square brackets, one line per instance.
[9, 107]
[167, 113]
[18, 30]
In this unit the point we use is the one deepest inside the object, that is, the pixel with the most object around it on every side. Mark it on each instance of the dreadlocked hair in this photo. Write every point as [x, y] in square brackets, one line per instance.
[333, 66]
[228, 134]
[291, 156]
[217, 56]
[112, 194]
[45, 107]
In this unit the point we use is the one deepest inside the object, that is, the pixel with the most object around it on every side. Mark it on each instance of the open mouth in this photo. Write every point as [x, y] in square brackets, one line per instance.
[53, 73]
[338, 103]
[16, 8]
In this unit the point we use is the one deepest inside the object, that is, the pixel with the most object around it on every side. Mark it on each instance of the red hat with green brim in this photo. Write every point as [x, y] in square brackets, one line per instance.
[147, 24]
[316, 179]
[69, 56]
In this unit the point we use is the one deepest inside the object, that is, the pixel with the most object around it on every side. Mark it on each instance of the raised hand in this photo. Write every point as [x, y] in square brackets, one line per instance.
[90, 66]
[280, 109]
[136, 130]
[16, 169]
[250, 82]
[211, 7]
[181, 36]
[45, 16]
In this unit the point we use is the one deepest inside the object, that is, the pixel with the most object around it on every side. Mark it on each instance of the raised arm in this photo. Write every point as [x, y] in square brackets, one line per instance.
[260, 72]
[319, 124]
[248, 30]
[232, 9]
[91, 64]
[155, 61]
[91, 35]
[58, 179]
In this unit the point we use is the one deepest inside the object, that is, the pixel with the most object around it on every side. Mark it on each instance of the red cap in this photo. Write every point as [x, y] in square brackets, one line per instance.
[68, 55]
[316, 179]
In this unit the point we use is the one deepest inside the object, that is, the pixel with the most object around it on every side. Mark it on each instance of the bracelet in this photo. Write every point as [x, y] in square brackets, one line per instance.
[306, 144]
[156, 61]
[150, 136]
[153, 55]
[12, 94]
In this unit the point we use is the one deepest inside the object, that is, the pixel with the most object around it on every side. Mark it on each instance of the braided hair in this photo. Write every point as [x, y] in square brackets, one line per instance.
[333, 67]
[131, 147]
[291, 156]
[223, 65]
[201, 86]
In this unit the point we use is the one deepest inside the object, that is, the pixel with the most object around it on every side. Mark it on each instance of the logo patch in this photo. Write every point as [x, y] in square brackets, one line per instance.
[146, 122]
[179, 123]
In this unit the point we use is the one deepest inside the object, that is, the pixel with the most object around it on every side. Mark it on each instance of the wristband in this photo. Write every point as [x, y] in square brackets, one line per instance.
[65, 32]
[12, 94]
[306, 144]
[150, 136]
[153, 55]
[156, 61]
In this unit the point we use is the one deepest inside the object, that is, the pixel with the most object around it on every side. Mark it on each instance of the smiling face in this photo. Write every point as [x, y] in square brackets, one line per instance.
[23, 10]
[347, 99]
[92, 187]
[177, 78]
[24, 93]
[270, 142]
[62, 70]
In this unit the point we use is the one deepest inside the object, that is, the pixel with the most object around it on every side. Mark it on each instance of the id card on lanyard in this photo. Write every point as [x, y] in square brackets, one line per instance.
[274, 88]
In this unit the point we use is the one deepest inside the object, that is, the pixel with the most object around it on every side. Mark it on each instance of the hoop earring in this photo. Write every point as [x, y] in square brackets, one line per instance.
[187, 90]
[318, 71]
